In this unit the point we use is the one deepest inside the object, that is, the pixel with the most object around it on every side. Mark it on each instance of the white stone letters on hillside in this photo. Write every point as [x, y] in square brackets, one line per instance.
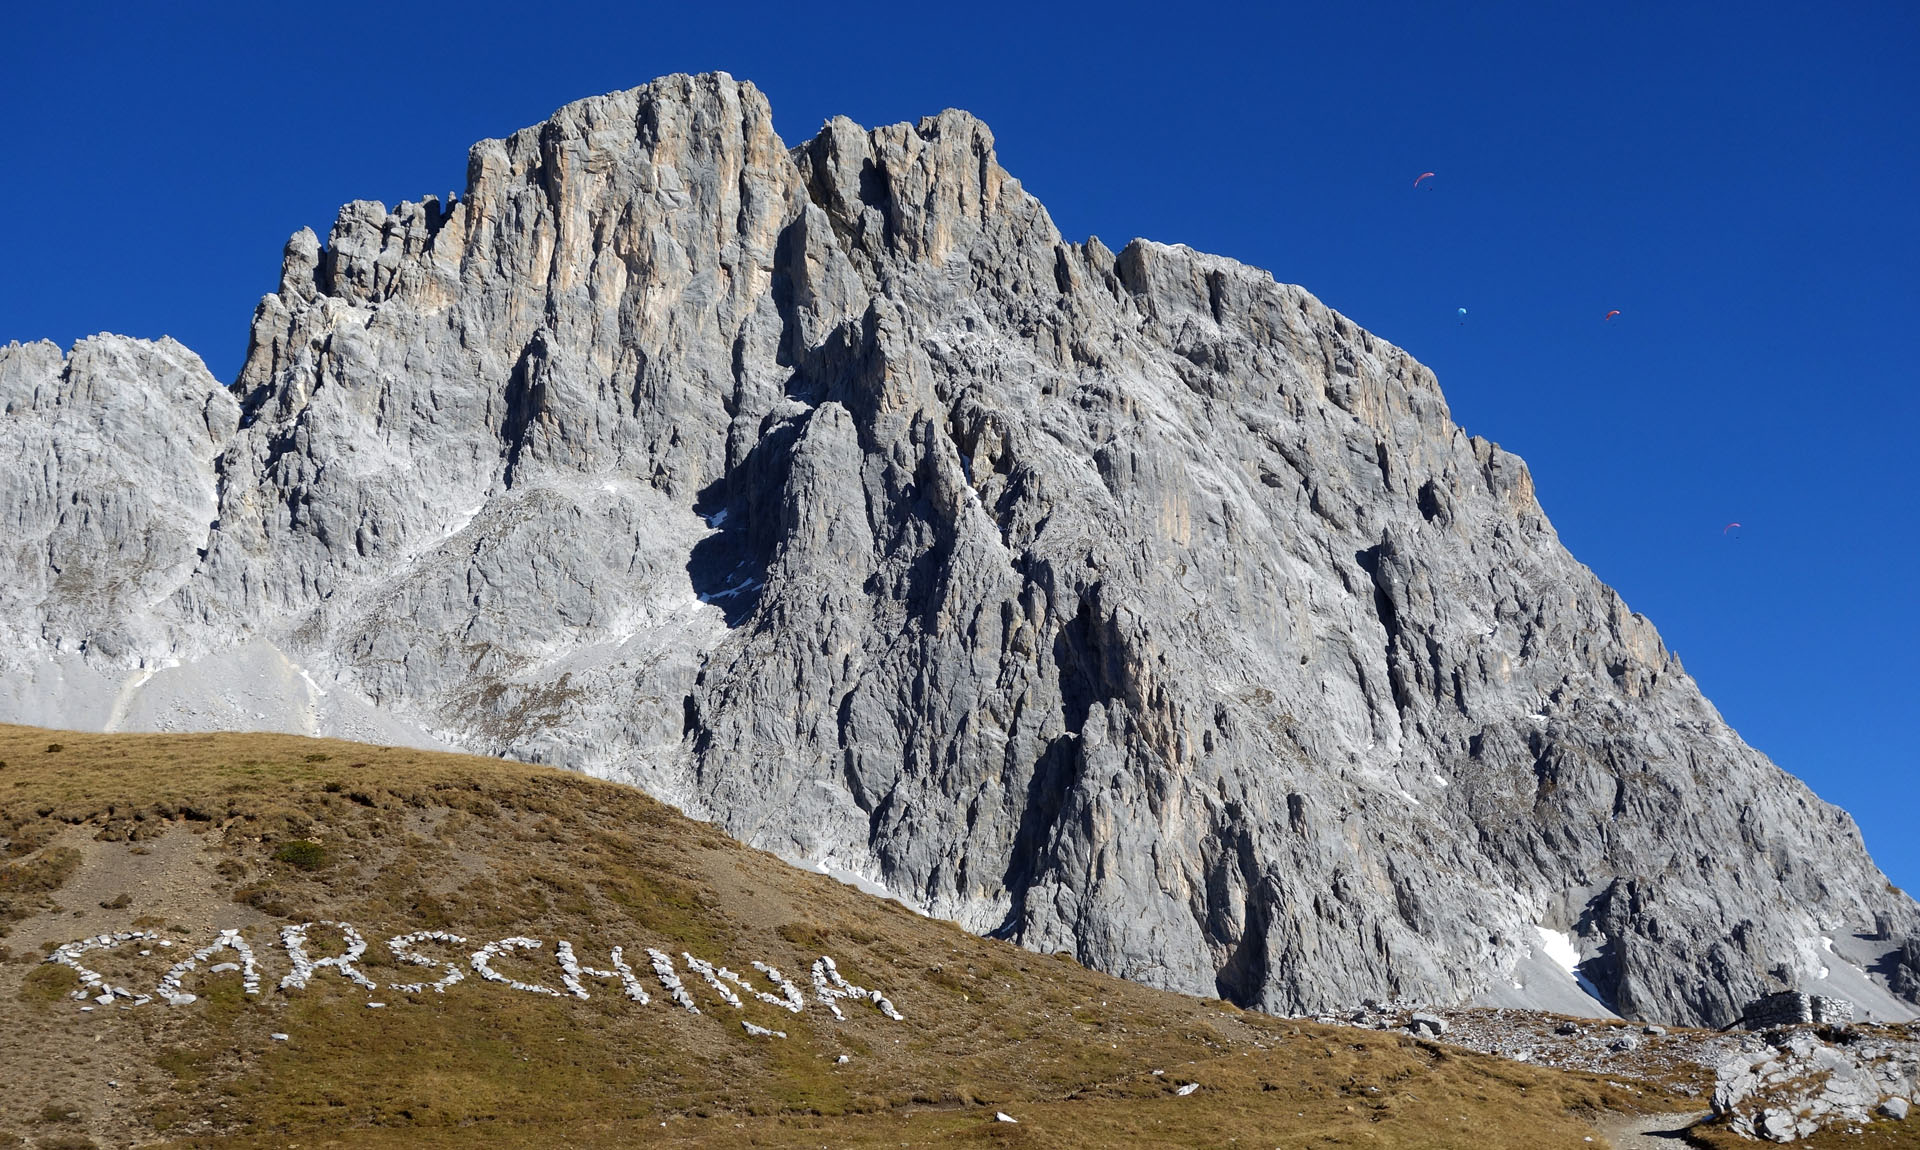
[402, 948]
[828, 985]
[294, 938]
[493, 950]
[669, 978]
[169, 990]
[69, 956]
[793, 1000]
[415, 949]
[717, 977]
[571, 972]
[707, 971]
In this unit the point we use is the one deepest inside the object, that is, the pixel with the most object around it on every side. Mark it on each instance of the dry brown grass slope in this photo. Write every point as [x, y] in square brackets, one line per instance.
[185, 835]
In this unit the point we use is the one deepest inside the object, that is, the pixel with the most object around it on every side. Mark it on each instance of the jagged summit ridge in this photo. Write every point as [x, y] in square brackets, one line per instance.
[1126, 603]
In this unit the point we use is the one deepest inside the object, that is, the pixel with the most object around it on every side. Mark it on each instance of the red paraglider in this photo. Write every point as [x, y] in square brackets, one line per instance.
[1611, 314]
[1422, 176]
[1728, 528]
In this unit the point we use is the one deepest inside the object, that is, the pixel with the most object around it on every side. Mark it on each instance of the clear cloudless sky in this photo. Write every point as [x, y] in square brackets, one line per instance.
[1742, 181]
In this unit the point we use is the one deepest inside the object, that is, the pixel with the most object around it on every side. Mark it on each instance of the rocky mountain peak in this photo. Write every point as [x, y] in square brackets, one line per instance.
[1131, 604]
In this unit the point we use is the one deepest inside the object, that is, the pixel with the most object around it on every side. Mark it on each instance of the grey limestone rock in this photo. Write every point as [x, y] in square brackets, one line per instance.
[1125, 603]
[1801, 1084]
[107, 499]
[1906, 968]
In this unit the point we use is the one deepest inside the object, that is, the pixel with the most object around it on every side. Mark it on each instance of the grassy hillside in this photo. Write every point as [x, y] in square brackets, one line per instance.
[187, 835]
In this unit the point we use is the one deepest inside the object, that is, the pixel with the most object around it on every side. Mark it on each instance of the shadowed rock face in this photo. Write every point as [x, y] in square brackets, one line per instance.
[1129, 604]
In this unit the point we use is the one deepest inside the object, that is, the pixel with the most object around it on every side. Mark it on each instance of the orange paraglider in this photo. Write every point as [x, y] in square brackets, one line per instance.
[1611, 314]
[1422, 176]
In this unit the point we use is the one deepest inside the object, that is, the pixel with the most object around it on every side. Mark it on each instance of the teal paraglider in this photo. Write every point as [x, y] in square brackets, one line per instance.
[1463, 315]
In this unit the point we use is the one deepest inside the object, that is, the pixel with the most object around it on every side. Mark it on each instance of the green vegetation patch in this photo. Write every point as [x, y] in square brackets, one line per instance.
[42, 875]
[25, 886]
[302, 854]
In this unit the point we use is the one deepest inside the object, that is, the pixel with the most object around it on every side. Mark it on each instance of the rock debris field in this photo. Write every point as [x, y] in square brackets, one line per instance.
[1780, 1084]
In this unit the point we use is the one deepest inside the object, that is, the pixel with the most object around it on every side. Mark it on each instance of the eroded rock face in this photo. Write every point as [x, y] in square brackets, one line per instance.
[1127, 603]
[1905, 980]
[1799, 1084]
[107, 499]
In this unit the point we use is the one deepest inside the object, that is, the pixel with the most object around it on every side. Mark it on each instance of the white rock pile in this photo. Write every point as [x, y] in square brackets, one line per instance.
[828, 985]
[170, 989]
[571, 973]
[1780, 1084]
[402, 948]
[1798, 1083]
[670, 979]
[483, 963]
[788, 999]
[791, 998]
[294, 939]
[97, 987]
[717, 978]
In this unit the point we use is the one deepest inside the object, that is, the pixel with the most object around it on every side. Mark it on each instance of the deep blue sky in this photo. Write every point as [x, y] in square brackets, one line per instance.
[1741, 183]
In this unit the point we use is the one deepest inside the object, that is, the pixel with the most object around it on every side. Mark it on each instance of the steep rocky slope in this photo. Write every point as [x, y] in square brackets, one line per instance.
[124, 859]
[1127, 603]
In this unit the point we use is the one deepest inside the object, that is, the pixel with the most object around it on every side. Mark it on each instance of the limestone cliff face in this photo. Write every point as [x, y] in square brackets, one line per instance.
[1129, 603]
[107, 492]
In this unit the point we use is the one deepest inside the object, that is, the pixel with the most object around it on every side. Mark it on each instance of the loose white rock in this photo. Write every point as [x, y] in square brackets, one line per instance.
[481, 962]
[571, 973]
[402, 949]
[294, 938]
[670, 979]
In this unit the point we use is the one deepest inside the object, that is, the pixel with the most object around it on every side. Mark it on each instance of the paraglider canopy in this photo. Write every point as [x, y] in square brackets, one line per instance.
[1728, 528]
[1463, 313]
[1422, 176]
[1611, 314]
